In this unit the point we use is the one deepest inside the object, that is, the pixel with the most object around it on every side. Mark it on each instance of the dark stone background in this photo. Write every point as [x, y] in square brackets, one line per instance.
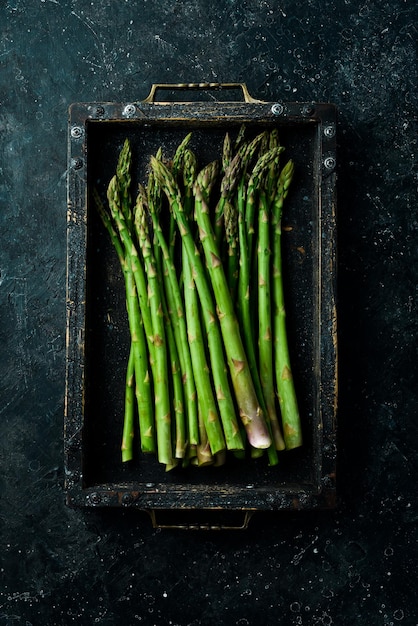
[353, 566]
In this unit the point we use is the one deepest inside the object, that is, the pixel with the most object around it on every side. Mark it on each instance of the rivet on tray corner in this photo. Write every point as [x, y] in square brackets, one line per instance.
[95, 498]
[277, 109]
[129, 110]
[77, 132]
[77, 163]
[127, 499]
[329, 131]
[308, 109]
[329, 163]
[99, 110]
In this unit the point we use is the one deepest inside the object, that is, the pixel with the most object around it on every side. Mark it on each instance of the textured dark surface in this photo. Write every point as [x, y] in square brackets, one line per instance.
[357, 565]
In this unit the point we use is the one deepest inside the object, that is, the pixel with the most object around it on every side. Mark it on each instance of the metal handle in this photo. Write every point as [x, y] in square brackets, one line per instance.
[185, 522]
[150, 99]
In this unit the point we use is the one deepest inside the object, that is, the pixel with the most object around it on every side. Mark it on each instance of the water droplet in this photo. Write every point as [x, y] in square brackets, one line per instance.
[295, 607]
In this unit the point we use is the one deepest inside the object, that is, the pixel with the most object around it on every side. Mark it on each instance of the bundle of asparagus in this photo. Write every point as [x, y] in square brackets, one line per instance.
[200, 251]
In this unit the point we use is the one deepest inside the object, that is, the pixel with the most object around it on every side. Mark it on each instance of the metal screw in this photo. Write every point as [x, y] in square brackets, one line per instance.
[76, 132]
[95, 498]
[329, 163]
[277, 109]
[127, 498]
[129, 110]
[308, 109]
[329, 131]
[77, 163]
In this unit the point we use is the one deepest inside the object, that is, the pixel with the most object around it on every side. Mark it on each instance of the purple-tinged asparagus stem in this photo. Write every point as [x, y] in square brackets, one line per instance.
[249, 407]
[223, 395]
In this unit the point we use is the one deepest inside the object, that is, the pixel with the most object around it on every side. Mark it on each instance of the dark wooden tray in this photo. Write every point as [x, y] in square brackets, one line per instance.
[97, 329]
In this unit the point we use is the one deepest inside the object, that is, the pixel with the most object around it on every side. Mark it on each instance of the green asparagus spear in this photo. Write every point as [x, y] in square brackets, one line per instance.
[179, 422]
[175, 309]
[226, 152]
[128, 423]
[124, 180]
[258, 172]
[160, 369]
[284, 379]
[177, 168]
[208, 410]
[265, 339]
[129, 419]
[232, 240]
[138, 320]
[249, 407]
[231, 428]
[140, 358]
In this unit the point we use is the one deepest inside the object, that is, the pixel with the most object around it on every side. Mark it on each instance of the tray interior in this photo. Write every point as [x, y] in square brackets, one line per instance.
[107, 333]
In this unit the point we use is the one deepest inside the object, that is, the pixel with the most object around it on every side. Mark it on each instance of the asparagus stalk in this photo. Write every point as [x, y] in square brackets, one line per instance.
[240, 137]
[128, 423]
[226, 152]
[179, 423]
[246, 300]
[244, 277]
[208, 410]
[246, 211]
[138, 323]
[178, 159]
[204, 455]
[249, 408]
[142, 378]
[124, 179]
[211, 435]
[160, 370]
[189, 176]
[228, 185]
[264, 161]
[175, 309]
[284, 379]
[232, 239]
[129, 419]
[223, 395]
[265, 340]
[231, 428]
[219, 373]
[177, 168]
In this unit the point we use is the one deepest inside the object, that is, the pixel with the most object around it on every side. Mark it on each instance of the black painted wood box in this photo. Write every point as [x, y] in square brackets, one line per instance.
[97, 342]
